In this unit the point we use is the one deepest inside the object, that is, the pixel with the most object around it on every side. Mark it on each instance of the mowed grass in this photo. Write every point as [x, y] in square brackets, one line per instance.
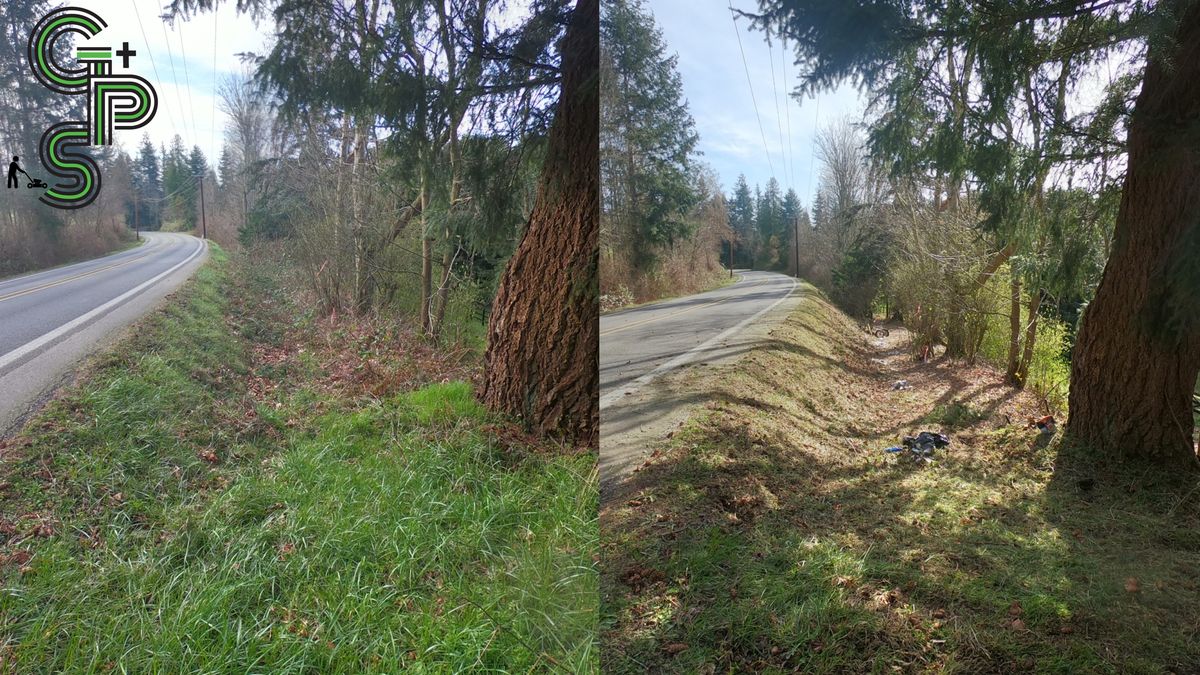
[190, 507]
[772, 533]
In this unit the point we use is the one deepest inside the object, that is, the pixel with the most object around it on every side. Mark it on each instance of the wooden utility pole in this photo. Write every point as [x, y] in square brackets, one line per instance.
[137, 226]
[203, 219]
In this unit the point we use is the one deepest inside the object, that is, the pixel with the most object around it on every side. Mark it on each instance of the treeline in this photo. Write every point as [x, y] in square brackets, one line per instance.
[893, 246]
[765, 224]
[1011, 208]
[400, 170]
[424, 162]
[32, 235]
[663, 217]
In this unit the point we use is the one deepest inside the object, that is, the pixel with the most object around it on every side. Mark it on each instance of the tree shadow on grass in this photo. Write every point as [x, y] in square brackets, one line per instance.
[762, 541]
[763, 557]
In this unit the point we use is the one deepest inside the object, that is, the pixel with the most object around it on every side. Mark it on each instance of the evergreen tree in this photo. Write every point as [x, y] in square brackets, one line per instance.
[741, 219]
[772, 229]
[791, 213]
[647, 135]
[147, 182]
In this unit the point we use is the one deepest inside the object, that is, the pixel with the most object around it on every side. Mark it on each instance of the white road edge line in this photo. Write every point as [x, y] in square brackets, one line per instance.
[684, 358]
[37, 343]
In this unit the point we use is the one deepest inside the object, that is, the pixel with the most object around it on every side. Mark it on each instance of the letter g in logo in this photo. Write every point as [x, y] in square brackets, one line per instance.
[113, 102]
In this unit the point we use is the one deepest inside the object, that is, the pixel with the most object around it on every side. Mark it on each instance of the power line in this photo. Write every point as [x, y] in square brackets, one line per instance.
[816, 130]
[745, 65]
[187, 82]
[153, 65]
[778, 116]
[175, 78]
[212, 136]
[787, 106]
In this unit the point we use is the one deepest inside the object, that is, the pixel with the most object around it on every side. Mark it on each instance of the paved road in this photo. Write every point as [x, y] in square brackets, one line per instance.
[50, 320]
[639, 345]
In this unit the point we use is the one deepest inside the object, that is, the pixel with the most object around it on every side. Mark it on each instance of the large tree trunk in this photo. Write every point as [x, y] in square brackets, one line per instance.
[543, 336]
[1138, 351]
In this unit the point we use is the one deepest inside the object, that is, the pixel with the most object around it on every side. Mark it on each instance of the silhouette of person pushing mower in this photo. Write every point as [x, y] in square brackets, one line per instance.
[13, 168]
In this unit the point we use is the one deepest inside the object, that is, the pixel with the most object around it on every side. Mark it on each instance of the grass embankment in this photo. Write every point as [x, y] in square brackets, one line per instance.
[243, 488]
[773, 533]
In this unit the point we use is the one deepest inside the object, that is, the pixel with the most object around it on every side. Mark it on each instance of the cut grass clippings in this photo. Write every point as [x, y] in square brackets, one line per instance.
[772, 533]
[223, 493]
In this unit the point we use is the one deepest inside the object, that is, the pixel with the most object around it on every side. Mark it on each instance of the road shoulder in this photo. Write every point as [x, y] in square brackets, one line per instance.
[33, 381]
[634, 425]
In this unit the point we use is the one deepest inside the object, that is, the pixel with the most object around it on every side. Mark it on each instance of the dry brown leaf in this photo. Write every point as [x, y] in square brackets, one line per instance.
[675, 647]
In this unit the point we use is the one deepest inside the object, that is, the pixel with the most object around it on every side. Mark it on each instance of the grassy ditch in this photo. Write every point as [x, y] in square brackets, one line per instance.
[243, 487]
[772, 533]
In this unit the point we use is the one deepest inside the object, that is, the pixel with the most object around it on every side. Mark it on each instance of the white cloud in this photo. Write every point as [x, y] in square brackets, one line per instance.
[715, 83]
[204, 51]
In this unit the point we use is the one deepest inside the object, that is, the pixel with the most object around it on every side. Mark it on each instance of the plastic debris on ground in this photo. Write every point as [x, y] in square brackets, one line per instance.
[1045, 425]
[921, 446]
[899, 385]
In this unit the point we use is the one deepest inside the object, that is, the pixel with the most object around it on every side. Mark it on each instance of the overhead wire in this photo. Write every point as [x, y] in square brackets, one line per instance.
[746, 66]
[787, 109]
[175, 79]
[187, 81]
[778, 115]
[153, 65]
[813, 157]
[212, 136]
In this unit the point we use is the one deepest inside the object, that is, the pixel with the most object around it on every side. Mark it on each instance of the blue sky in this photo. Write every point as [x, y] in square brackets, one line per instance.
[186, 93]
[715, 83]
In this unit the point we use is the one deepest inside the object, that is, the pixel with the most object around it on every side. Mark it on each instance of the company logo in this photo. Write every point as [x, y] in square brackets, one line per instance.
[113, 102]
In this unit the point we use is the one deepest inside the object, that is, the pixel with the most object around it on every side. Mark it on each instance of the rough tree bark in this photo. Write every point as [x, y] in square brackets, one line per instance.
[1136, 358]
[543, 336]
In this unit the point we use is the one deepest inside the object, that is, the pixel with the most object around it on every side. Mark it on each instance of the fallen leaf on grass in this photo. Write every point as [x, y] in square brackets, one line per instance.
[674, 648]
[208, 456]
[1015, 609]
[1018, 624]
[638, 577]
[1132, 585]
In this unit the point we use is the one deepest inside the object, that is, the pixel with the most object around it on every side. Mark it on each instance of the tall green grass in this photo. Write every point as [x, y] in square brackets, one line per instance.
[398, 534]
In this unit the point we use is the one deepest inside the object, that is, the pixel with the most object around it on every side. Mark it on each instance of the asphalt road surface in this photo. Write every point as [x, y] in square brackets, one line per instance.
[52, 319]
[640, 345]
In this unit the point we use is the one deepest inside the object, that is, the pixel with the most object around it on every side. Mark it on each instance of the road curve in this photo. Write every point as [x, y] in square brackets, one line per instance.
[50, 320]
[640, 345]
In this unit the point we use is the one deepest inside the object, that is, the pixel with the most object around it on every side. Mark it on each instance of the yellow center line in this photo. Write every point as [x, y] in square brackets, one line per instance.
[682, 311]
[60, 282]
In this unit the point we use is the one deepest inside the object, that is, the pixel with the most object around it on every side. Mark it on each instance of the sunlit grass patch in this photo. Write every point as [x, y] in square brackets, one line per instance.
[774, 534]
